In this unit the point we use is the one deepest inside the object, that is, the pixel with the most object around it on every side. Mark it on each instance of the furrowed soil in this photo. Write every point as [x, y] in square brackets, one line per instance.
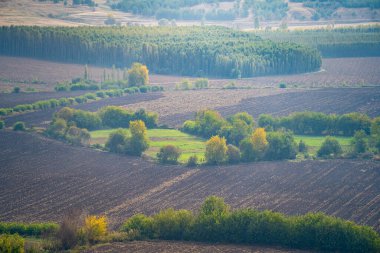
[339, 72]
[42, 179]
[183, 247]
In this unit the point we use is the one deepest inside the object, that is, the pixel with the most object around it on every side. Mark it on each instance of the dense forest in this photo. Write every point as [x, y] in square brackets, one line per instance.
[337, 42]
[193, 51]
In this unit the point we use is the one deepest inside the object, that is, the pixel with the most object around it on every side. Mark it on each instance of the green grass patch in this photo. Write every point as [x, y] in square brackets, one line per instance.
[315, 142]
[189, 145]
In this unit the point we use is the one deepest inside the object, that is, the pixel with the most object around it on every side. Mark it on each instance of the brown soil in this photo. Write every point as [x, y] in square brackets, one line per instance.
[183, 247]
[42, 179]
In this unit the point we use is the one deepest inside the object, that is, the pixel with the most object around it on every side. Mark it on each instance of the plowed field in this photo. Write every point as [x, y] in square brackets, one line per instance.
[41, 179]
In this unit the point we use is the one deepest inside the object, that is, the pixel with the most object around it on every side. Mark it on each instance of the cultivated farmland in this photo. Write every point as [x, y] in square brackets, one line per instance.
[122, 186]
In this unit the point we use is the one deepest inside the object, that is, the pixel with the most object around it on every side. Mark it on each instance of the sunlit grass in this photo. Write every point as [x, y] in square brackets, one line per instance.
[189, 145]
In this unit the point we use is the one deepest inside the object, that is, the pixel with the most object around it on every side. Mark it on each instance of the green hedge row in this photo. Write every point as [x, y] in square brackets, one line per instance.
[54, 103]
[24, 229]
[216, 223]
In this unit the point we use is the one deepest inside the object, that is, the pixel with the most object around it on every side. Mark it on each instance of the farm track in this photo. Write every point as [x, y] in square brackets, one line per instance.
[338, 101]
[183, 247]
[42, 179]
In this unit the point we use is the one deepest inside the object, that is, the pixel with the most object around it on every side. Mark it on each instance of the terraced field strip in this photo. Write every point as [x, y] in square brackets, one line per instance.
[189, 145]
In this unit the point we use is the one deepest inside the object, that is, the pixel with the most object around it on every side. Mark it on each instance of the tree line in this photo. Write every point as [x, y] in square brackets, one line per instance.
[336, 42]
[192, 51]
[216, 222]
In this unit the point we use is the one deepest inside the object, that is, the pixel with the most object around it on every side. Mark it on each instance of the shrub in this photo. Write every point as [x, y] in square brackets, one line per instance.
[91, 96]
[192, 161]
[201, 83]
[80, 99]
[169, 154]
[233, 154]
[19, 126]
[101, 94]
[2, 124]
[140, 223]
[64, 102]
[282, 86]
[16, 90]
[116, 141]
[330, 147]
[113, 116]
[3, 112]
[143, 89]
[57, 128]
[68, 233]
[88, 120]
[11, 244]
[78, 136]
[216, 150]
[94, 227]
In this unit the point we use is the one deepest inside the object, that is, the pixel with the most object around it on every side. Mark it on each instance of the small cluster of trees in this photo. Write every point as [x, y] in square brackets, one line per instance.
[135, 144]
[12, 243]
[201, 83]
[215, 222]
[239, 131]
[316, 123]
[73, 125]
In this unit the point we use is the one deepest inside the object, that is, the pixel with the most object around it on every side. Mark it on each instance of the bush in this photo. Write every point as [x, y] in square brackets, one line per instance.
[116, 141]
[233, 154]
[2, 124]
[19, 126]
[87, 120]
[329, 148]
[11, 244]
[141, 224]
[101, 94]
[282, 86]
[16, 90]
[94, 228]
[216, 150]
[201, 83]
[169, 154]
[78, 136]
[57, 128]
[360, 142]
[68, 233]
[253, 148]
[192, 161]
[144, 89]
[138, 75]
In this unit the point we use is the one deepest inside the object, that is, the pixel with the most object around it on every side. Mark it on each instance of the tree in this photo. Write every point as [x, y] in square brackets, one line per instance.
[375, 133]
[85, 76]
[233, 154]
[78, 136]
[139, 141]
[360, 142]
[281, 146]
[330, 147]
[2, 124]
[216, 150]
[57, 128]
[117, 140]
[169, 154]
[302, 147]
[138, 75]
[253, 147]
[192, 161]
[94, 227]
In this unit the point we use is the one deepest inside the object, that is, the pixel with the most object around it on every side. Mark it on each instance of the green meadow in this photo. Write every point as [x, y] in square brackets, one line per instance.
[189, 145]
[314, 142]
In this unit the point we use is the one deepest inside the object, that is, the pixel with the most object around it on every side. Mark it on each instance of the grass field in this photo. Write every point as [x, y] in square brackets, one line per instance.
[314, 142]
[189, 145]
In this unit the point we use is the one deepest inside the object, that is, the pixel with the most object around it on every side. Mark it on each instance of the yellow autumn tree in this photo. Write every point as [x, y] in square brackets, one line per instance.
[94, 227]
[253, 147]
[259, 139]
[139, 141]
[138, 75]
[216, 150]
